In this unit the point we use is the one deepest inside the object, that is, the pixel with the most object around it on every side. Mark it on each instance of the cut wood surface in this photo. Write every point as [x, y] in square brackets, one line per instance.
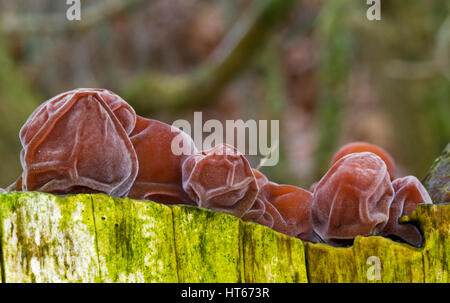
[96, 238]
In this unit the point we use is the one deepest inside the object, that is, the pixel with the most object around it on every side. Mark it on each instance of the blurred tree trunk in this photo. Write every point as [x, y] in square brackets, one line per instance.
[17, 102]
[414, 90]
[275, 103]
[336, 38]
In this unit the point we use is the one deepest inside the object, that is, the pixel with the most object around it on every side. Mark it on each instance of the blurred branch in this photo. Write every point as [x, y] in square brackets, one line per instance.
[158, 91]
[57, 23]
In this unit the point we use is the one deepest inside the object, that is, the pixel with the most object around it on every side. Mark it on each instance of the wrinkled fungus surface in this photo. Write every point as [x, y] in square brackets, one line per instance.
[220, 179]
[74, 143]
[257, 213]
[353, 198]
[359, 147]
[290, 208]
[285, 208]
[261, 179]
[91, 140]
[312, 188]
[409, 193]
[159, 178]
[121, 109]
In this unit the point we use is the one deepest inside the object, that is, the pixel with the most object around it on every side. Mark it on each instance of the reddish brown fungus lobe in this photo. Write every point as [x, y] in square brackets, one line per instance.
[353, 198]
[285, 208]
[159, 178]
[360, 147]
[74, 143]
[91, 140]
[409, 193]
[220, 179]
[257, 213]
[290, 208]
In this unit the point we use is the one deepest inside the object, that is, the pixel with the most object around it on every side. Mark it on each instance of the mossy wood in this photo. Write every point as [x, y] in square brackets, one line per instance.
[96, 238]
[437, 181]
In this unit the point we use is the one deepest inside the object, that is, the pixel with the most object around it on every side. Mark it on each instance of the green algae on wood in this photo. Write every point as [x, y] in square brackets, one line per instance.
[434, 221]
[369, 259]
[394, 262]
[327, 264]
[135, 240]
[46, 238]
[208, 246]
[272, 257]
[96, 238]
[437, 182]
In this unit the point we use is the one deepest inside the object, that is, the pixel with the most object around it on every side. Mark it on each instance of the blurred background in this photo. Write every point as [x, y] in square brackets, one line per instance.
[322, 68]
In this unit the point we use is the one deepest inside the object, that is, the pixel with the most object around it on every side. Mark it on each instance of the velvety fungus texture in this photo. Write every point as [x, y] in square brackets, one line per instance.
[353, 198]
[74, 143]
[159, 178]
[285, 208]
[290, 208]
[409, 193]
[91, 140]
[220, 179]
[359, 147]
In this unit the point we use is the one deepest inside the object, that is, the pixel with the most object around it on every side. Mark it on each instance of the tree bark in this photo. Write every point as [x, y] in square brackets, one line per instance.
[96, 238]
[437, 181]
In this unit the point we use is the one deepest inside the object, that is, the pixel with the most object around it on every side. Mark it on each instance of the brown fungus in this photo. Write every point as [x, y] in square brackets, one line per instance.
[353, 198]
[74, 143]
[284, 208]
[257, 213]
[290, 207]
[160, 160]
[360, 147]
[409, 193]
[220, 179]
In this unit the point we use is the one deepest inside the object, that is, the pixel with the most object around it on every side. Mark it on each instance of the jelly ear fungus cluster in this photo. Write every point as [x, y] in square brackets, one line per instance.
[91, 140]
[361, 195]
